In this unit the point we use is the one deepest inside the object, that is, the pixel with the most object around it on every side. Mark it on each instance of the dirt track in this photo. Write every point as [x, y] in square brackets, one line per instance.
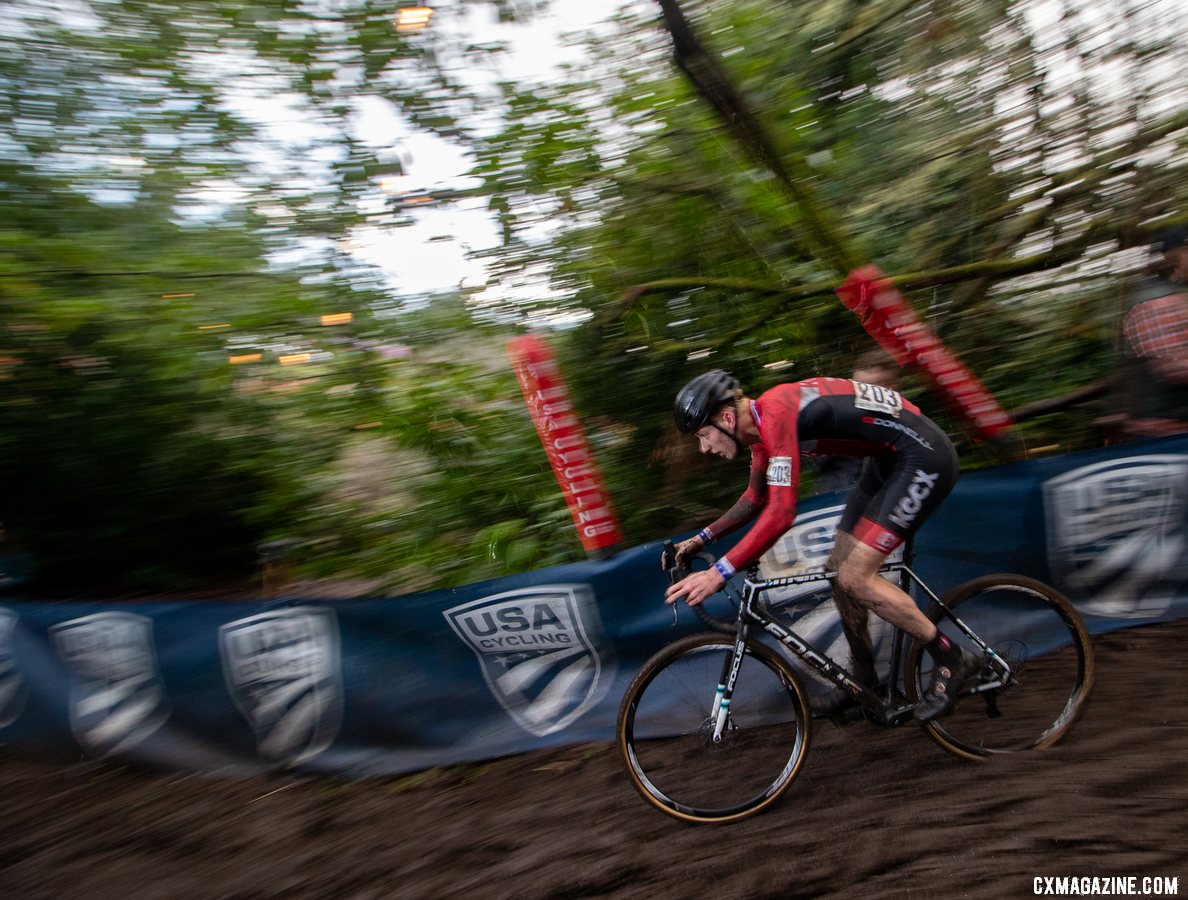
[875, 813]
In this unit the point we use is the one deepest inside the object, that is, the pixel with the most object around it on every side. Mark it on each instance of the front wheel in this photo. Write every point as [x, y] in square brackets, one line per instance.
[665, 730]
[1033, 629]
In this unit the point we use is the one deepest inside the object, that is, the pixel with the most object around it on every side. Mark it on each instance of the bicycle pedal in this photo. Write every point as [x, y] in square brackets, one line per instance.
[896, 717]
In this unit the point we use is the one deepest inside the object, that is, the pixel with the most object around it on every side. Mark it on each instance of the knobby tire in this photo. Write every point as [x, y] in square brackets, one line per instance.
[663, 722]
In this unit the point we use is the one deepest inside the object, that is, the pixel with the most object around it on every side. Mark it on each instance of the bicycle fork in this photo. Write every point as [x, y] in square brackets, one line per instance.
[720, 713]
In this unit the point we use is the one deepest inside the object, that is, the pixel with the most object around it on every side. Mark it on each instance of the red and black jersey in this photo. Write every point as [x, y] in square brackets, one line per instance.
[839, 417]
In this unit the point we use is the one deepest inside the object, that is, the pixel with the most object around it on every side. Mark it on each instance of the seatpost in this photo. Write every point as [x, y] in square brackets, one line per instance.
[908, 554]
[905, 582]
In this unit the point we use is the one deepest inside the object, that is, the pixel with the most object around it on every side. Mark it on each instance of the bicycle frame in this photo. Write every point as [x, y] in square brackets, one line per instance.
[893, 708]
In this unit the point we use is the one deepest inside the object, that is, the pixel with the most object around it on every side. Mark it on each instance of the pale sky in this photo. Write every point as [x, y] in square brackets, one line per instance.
[430, 255]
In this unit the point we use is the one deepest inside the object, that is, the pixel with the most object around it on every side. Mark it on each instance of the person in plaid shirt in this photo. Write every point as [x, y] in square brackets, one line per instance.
[1155, 332]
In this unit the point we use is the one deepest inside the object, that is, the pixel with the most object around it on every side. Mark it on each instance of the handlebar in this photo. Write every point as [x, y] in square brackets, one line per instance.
[668, 559]
[677, 573]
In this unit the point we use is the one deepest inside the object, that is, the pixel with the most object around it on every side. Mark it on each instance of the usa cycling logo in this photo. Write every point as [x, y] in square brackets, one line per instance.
[807, 545]
[1116, 534]
[538, 650]
[117, 696]
[283, 671]
[13, 690]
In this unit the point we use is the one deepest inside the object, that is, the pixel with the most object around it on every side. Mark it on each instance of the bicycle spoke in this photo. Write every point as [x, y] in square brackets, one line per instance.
[666, 731]
[1046, 649]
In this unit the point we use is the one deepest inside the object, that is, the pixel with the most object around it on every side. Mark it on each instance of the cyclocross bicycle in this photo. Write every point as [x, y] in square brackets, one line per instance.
[716, 726]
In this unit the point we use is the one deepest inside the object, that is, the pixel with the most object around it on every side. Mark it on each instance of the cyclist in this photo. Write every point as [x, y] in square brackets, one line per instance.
[910, 466]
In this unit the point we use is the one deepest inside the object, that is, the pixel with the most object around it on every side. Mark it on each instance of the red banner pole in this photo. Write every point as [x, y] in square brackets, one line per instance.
[891, 321]
[564, 442]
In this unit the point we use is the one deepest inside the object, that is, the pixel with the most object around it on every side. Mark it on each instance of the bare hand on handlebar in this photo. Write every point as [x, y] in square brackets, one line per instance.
[686, 550]
[697, 587]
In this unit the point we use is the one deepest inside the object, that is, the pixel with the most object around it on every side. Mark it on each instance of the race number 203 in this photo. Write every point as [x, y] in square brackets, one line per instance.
[873, 398]
[779, 471]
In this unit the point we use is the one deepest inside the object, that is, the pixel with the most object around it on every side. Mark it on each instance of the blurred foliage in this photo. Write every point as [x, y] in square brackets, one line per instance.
[170, 403]
[181, 187]
[126, 456]
[448, 485]
[1006, 161]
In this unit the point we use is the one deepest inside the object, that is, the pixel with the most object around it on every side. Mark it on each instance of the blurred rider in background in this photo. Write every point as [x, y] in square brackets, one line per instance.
[839, 473]
[911, 467]
[1155, 344]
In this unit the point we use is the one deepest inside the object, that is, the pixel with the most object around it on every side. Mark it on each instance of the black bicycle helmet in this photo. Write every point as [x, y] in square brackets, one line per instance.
[701, 398]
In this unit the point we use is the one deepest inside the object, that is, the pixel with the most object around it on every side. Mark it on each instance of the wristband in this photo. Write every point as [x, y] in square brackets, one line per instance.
[723, 568]
[706, 535]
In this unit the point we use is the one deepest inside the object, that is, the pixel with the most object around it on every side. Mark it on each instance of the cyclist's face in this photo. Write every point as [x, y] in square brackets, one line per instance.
[711, 440]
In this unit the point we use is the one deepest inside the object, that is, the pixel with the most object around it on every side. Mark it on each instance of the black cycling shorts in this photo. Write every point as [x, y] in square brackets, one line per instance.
[896, 494]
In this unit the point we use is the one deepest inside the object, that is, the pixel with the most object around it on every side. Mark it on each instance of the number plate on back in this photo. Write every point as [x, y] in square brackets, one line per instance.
[877, 399]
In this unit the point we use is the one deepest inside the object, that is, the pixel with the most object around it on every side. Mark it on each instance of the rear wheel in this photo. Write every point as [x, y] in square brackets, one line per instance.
[1042, 639]
[665, 730]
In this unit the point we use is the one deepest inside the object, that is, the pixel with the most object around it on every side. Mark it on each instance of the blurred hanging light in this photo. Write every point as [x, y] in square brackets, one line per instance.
[393, 184]
[412, 18]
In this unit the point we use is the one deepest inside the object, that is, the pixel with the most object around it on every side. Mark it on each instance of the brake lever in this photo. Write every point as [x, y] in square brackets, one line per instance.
[675, 573]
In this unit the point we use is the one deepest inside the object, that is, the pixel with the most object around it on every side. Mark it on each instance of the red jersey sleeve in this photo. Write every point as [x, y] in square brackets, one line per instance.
[778, 453]
[757, 486]
[749, 504]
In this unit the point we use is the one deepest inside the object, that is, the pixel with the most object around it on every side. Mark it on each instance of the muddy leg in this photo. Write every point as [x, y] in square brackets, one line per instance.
[854, 620]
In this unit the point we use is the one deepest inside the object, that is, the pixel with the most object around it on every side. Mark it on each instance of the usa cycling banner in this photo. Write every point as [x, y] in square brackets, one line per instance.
[397, 684]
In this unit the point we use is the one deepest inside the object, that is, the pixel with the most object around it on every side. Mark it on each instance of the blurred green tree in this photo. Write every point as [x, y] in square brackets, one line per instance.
[179, 188]
[127, 457]
[1004, 162]
[168, 171]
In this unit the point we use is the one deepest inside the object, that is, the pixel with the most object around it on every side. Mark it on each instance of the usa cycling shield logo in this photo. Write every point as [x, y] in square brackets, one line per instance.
[1116, 534]
[13, 690]
[804, 547]
[117, 696]
[282, 669]
[538, 650]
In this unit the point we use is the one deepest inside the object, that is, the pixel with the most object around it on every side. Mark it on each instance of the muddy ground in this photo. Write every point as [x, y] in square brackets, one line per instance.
[875, 813]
